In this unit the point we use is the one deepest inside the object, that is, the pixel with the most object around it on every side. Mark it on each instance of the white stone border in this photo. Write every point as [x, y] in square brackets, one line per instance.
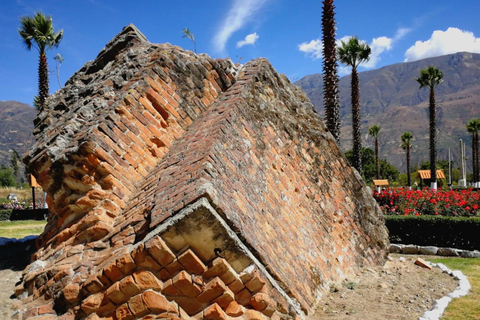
[441, 304]
[432, 250]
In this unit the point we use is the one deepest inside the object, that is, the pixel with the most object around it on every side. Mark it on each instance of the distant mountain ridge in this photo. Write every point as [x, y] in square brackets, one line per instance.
[391, 98]
[16, 127]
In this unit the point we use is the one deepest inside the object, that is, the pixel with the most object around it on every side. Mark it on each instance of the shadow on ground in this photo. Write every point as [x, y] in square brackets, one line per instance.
[16, 255]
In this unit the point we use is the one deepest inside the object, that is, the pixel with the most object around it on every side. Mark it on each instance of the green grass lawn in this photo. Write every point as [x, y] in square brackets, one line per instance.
[21, 229]
[467, 307]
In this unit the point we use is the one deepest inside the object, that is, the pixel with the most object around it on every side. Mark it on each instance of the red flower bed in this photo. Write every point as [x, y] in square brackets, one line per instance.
[406, 202]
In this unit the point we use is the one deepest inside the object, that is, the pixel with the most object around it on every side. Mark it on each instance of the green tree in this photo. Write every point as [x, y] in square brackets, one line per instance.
[473, 127]
[407, 145]
[374, 131]
[7, 179]
[38, 32]
[330, 78]
[430, 77]
[387, 170]
[14, 159]
[187, 34]
[352, 53]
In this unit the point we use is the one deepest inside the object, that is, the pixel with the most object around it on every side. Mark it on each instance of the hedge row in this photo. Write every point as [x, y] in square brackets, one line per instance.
[5, 214]
[439, 231]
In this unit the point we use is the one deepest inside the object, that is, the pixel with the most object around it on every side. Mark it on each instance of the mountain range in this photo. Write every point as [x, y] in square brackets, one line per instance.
[16, 126]
[391, 98]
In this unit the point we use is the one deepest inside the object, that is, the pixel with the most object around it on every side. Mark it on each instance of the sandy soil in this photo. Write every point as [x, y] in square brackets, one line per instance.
[399, 290]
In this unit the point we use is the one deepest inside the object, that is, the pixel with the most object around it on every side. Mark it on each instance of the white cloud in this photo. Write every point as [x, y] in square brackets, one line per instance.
[401, 32]
[240, 13]
[249, 40]
[444, 42]
[378, 45]
[313, 48]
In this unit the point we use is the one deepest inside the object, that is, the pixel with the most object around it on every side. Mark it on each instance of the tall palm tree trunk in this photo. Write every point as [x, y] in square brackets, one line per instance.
[43, 89]
[357, 144]
[408, 166]
[475, 155]
[330, 77]
[377, 166]
[433, 140]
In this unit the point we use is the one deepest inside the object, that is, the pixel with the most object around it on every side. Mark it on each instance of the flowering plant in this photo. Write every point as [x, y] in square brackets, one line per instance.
[406, 202]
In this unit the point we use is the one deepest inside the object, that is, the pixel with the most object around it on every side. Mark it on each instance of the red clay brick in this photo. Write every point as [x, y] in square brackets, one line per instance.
[256, 284]
[146, 280]
[213, 289]
[123, 313]
[71, 292]
[163, 274]
[169, 289]
[234, 309]
[225, 299]
[125, 263]
[189, 305]
[129, 287]
[157, 303]
[159, 251]
[46, 308]
[115, 294]
[183, 282]
[214, 312]
[192, 263]
[243, 297]
[253, 315]
[137, 306]
[92, 302]
[174, 267]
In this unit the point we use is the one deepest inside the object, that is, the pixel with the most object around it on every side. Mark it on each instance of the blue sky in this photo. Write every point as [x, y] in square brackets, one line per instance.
[286, 32]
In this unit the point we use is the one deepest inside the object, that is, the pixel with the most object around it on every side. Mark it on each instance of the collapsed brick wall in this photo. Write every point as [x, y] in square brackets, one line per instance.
[180, 188]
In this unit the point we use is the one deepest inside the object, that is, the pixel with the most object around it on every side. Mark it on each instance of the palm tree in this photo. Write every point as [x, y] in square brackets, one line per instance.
[374, 131]
[473, 127]
[406, 145]
[352, 53]
[38, 32]
[330, 78]
[429, 78]
[187, 34]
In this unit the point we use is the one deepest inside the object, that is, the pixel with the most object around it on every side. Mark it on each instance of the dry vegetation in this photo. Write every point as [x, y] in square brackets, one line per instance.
[22, 194]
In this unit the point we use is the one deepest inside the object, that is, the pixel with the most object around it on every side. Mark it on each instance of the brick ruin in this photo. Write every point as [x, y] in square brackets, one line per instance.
[184, 186]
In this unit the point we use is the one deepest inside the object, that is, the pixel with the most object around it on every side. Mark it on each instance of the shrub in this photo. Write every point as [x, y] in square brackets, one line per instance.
[5, 215]
[427, 230]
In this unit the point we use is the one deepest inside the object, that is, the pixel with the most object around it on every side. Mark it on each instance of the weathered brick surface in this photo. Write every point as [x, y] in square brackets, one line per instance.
[182, 186]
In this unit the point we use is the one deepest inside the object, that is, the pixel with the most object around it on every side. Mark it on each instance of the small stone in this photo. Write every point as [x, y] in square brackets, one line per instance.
[470, 254]
[410, 249]
[395, 248]
[429, 250]
[449, 252]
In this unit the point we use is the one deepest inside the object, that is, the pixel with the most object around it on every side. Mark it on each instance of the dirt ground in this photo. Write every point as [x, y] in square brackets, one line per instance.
[399, 290]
